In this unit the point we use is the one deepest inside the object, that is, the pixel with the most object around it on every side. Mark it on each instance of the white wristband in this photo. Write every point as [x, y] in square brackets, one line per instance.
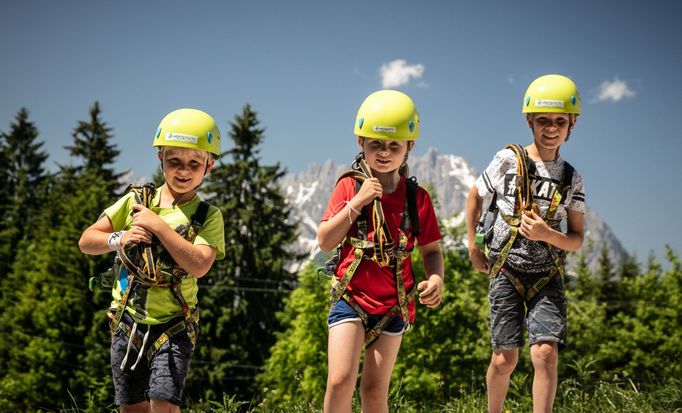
[115, 240]
[350, 208]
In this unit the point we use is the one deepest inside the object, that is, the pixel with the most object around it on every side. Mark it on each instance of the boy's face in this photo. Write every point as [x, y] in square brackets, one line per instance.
[183, 168]
[382, 155]
[550, 130]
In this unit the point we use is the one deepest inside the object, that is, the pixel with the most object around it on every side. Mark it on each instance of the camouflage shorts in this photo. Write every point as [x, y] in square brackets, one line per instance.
[544, 315]
[162, 377]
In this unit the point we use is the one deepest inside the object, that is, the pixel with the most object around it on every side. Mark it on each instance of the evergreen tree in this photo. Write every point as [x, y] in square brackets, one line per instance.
[22, 170]
[53, 347]
[242, 294]
[92, 143]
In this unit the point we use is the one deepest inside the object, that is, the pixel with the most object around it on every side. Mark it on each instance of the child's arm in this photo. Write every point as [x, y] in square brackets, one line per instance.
[432, 288]
[331, 232]
[535, 228]
[95, 239]
[473, 214]
[195, 259]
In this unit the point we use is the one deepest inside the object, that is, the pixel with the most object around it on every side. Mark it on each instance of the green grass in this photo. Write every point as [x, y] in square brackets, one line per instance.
[573, 396]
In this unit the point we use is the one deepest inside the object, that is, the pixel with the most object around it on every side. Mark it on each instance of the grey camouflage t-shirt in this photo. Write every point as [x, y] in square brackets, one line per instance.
[500, 177]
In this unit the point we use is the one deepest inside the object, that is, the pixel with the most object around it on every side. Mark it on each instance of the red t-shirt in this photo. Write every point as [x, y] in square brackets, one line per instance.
[373, 286]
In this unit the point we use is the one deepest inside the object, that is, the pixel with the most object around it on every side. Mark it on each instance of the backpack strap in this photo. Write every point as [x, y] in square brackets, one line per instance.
[411, 194]
[200, 214]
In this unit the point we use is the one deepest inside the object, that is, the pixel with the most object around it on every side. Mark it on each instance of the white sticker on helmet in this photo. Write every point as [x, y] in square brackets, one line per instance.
[181, 137]
[390, 129]
[549, 103]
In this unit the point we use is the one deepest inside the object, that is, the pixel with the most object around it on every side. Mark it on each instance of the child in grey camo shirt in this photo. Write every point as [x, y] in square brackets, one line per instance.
[527, 250]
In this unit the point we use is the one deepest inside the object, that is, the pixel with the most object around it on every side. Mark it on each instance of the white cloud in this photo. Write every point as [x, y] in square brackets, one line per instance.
[614, 91]
[398, 73]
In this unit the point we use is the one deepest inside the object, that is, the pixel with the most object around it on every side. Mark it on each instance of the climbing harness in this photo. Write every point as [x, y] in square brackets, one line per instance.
[140, 269]
[381, 249]
[523, 204]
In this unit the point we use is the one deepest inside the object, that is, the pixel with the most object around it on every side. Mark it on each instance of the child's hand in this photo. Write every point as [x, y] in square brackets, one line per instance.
[478, 259]
[146, 219]
[136, 234]
[369, 190]
[431, 291]
[534, 227]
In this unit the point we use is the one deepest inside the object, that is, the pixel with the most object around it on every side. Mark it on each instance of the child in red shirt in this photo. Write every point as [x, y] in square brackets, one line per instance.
[377, 213]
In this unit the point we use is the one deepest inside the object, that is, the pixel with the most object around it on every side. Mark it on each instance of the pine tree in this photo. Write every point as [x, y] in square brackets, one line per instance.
[46, 347]
[22, 195]
[243, 292]
[92, 143]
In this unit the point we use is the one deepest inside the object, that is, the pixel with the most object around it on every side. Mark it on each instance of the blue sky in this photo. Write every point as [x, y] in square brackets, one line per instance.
[305, 67]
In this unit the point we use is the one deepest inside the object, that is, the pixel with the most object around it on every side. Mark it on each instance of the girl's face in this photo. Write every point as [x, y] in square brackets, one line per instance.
[384, 156]
[183, 168]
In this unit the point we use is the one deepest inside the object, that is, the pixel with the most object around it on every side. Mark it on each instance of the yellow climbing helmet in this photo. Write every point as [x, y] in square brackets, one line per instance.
[189, 128]
[552, 94]
[389, 115]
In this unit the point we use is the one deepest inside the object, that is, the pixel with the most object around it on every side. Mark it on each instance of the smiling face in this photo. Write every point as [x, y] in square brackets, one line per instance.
[384, 156]
[184, 169]
[550, 130]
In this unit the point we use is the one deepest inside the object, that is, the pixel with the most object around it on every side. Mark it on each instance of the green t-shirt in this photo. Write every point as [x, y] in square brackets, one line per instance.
[156, 305]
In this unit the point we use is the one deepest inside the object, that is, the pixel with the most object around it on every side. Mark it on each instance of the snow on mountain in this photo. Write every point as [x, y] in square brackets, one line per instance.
[447, 177]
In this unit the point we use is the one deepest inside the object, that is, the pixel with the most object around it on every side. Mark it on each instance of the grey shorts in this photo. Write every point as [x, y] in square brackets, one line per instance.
[162, 377]
[544, 315]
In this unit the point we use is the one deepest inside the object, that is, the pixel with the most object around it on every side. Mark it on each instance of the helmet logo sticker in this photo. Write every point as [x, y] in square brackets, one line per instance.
[390, 129]
[549, 103]
[360, 122]
[209, 135]
[527, 100]
[181, 137]
[158, 133]
[573, 100]
[411, 124]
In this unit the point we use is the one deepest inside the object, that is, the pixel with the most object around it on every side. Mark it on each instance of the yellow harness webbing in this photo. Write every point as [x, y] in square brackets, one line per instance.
[385, 253]
[144, 272]
[524, 204]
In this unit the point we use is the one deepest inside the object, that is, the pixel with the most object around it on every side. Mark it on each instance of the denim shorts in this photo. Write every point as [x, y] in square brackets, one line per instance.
[544, 315]
[162, 377]
[343, 312]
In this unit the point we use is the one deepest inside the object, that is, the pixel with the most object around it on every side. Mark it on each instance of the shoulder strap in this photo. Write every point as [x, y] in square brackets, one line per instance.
[411, 194]
[524, 196]
[200, 214]
[568, 176]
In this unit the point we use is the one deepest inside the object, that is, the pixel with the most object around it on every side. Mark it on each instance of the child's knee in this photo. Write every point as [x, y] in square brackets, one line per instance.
[342, 380]
[544, 354]
[504, 362]
[373, 390]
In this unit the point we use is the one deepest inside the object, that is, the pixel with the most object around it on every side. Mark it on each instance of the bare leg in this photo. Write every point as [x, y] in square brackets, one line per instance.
[376, 373]
[501, 366]
[343, 355]
[162, 406]
[142, 407]
[545, 358]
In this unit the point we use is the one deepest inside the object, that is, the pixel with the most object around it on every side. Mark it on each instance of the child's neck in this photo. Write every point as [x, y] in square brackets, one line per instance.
[389, 180]
[540, 154]
[170, 198]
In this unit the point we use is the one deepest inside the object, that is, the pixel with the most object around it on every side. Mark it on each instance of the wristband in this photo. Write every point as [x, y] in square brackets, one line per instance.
[350, 208]
[114, 240]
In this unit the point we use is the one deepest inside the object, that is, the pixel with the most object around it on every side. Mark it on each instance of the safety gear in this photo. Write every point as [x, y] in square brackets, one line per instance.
[552, 94]
[388, 115]
[137, 265]
[381, 249]
[524, 203]
[189, 128]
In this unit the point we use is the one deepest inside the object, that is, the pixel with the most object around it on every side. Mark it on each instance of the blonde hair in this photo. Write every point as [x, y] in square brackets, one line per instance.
[198, 152]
